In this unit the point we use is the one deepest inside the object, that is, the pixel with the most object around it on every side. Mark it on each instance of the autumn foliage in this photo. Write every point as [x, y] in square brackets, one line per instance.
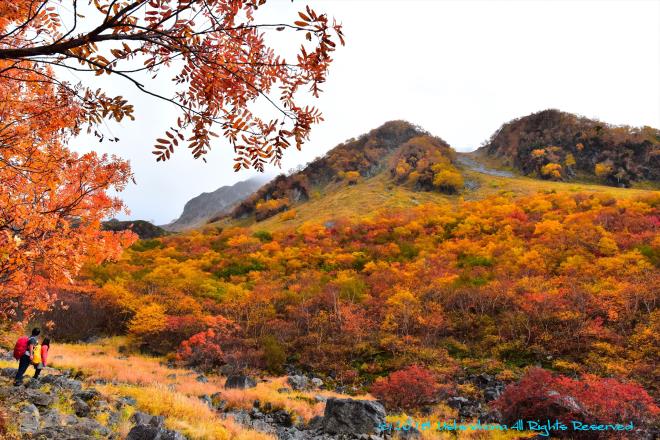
[407, 389]
[53, 200]
[565, 280]
[561, 146]
[541, 395]
[215, 52]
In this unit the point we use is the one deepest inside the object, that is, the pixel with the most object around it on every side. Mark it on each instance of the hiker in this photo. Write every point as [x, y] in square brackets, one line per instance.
[40, 357]
[23, 353]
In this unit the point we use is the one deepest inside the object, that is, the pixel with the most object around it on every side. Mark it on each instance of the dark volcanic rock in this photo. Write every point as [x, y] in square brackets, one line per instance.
[351, 417]
[148, 432]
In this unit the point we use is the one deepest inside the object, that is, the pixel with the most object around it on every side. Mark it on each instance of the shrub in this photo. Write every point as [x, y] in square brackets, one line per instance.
[551, 171]
[204, 350]
[540, 395]
[271, 207]
[274, 354]
[406, 389]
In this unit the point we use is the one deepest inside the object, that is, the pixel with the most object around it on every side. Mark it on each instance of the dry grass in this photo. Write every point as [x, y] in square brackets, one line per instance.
[186, 414]
[174, 392]
[378, 193]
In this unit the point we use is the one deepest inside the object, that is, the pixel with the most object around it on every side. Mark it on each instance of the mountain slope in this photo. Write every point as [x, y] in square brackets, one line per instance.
[556, 145]
[405, 153]
[200, 209]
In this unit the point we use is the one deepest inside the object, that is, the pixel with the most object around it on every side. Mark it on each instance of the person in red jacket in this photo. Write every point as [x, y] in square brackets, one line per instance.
[45, 345]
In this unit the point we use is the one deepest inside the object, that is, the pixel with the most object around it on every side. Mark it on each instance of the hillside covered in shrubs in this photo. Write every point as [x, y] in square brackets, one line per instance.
[412, 157]
[562, 146]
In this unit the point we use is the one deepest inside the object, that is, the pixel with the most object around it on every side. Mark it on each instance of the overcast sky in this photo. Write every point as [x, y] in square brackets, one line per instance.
[457, 68]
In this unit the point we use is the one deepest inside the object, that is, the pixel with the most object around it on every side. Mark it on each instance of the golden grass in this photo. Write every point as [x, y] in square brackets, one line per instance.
[377, 193]
[174, 392]
[186, 414]
[300, 403]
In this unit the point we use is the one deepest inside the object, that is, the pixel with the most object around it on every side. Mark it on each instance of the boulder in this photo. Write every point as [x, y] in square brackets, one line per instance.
[148, 432]
[87, 395]
[202, 379]
[140, 418]
[62, 433]
[51, 418]
[240, 382]
[92, 427]
[315, 423]
[318, 383]
[352, 417]
[39, 398]
[80, 407]
[298, 382]
[28, 419]
[457, 402]
[281, 418]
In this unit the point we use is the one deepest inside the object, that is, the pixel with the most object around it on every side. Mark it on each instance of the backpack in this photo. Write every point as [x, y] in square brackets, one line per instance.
[21, 347]
[36, 354]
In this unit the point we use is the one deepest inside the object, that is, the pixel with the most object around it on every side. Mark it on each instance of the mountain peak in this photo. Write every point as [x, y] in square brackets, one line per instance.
[557, 145]
[406, 150]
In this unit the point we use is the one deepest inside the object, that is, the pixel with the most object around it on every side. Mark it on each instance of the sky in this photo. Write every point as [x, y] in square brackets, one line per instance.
[459, 69]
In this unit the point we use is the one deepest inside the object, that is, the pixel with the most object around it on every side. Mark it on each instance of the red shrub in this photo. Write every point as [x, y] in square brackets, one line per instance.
[406, 389]
[542, 395]
[208, 349]
[202, 350]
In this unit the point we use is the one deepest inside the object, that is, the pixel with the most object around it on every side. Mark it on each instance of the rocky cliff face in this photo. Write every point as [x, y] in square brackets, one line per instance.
[205, 206]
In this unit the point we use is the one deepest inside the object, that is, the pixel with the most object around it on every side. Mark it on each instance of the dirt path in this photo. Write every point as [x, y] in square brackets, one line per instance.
[472, 164]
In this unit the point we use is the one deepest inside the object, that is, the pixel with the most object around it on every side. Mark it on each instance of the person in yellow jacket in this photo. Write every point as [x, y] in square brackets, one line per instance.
[40, 356]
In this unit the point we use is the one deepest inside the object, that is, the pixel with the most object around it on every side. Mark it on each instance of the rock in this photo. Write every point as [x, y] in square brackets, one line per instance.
[240, 416]
[207, 400]
[315, 423]
[80, 407]
[51, 418]
[8, 372]
[86, 395]
[352, 417]
[39, 398]
[492, 393]
[171, 376]
[318, 383]
[148, 432]
[298, 382]
[140, 418]
[92, 427]
[201, 378]
[61, 433]
[284, 390]
[240, 382]
[281, 417]
[70, 420]
[262, 426]
[457, 402]
[62, 382]
[217, 402]
[125, 401]
[320, 398]
[28, 419]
